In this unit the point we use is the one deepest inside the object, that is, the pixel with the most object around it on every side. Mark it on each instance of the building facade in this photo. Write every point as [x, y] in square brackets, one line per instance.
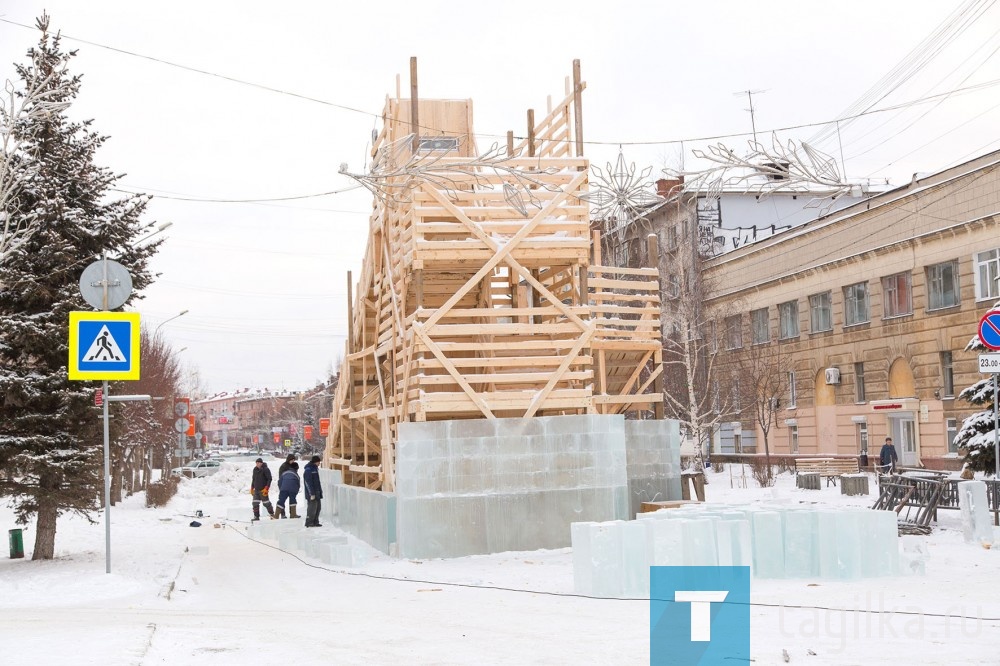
[874, 306]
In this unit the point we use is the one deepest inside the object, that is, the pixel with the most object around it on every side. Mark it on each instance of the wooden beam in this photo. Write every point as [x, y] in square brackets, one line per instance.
[414, 106]
[578, 108]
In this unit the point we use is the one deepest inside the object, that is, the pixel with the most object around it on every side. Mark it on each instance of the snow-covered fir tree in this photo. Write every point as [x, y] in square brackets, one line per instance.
[977, 431]
[50, 438]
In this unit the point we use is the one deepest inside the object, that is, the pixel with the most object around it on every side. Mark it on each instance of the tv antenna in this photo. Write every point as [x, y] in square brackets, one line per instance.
[750, 94]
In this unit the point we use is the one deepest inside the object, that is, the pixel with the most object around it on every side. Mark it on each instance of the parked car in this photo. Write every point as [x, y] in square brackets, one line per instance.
[197, 468]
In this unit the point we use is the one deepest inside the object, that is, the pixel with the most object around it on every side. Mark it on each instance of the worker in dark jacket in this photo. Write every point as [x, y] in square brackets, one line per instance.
[284, 467]
[887, 457]
[259, 487]
[314, 491]
[288, 488]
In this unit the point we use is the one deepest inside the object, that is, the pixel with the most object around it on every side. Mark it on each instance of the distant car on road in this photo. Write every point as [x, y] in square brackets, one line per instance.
[197, 468]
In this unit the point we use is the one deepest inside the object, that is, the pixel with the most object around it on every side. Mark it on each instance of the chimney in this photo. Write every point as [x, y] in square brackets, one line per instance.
[666, 187]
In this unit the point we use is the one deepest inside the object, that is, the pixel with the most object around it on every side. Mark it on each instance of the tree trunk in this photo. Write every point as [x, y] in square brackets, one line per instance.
[45, 532]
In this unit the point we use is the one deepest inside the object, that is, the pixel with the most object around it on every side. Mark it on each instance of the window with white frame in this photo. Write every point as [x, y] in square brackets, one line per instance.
[947, 375]
[856, 304]
[820, 312]
[897, 297]
[987, 270]
[942, 285]
[791, 390]
[672, 237]
[734, 332]
[788, 320]
[793, 438]
[761, 329]
[951, 432]
[673, 286]
[859, 382]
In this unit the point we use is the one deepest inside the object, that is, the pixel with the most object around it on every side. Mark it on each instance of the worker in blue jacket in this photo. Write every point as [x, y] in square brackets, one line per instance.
[288, 488]
[314, 491]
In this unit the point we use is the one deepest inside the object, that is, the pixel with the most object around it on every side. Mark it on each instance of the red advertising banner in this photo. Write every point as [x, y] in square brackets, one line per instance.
[307, 431]
[324, 427]
[277, 438]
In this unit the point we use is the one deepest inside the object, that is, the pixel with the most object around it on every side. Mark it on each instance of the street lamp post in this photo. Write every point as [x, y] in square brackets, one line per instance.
[181, 314]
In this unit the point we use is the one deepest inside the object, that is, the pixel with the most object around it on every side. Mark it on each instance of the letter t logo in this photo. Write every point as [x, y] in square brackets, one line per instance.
[701, 610]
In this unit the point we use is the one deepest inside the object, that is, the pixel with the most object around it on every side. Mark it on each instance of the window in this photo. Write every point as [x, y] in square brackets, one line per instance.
[791, 390]
[788, 316]
[859, 382]
[673, 286]
[672, 237]
[716, 397]
[951, 432]
[793, 438]
[446, 143]
[734, 332]
[947, 375]
[896, 300]
[736, 394]
[856, 304]
[713, 338]
[760, 325]
[861, 432]
[942, 285]
[987, 271]
[820, 313]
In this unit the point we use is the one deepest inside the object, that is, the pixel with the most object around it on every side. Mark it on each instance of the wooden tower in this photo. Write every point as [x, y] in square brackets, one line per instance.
[479, 296]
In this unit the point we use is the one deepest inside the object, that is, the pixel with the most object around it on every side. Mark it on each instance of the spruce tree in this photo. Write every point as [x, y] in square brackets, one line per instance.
[977, 432]
[50, 434]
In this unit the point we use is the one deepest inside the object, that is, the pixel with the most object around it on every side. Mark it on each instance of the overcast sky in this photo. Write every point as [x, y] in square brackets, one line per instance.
[286, 92]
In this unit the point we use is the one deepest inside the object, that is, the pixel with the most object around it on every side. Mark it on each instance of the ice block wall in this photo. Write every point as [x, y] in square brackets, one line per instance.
[468, 487]
[612, 559]
[653, 461]
[369, 515]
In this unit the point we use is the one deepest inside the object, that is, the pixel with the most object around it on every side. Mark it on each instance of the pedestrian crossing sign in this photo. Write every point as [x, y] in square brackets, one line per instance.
[104, 345]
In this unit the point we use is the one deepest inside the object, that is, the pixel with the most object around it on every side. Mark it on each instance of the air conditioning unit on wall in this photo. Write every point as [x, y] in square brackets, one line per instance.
[832, 376]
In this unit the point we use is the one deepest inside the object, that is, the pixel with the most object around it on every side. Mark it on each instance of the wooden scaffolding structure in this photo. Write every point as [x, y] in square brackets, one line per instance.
[478, 297]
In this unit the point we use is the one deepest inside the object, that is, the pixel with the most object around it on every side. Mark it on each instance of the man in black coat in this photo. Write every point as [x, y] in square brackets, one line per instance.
[285, 465]
[259, 488]
[887, 456]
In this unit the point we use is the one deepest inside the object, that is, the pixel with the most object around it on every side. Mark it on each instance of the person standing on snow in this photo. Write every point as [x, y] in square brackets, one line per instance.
[314, 491]
[259, 487]
[288, 488]
[284, 466]
[887, 456]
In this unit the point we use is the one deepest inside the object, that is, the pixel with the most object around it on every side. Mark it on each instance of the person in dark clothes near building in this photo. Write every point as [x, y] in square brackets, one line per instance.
[288, 488]
[314, 491]
[284, 467]
[259, 487]
[887, 457]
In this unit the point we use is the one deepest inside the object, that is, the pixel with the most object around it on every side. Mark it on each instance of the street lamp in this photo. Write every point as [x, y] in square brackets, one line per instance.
[158, 229]
[181, 314]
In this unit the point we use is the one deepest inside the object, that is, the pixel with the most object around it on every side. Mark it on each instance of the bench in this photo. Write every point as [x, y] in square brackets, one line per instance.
[831, 468]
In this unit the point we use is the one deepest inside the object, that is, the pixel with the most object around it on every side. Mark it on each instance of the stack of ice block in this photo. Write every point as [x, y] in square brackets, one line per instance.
[612, 559]
[292, 536]
[476, 486]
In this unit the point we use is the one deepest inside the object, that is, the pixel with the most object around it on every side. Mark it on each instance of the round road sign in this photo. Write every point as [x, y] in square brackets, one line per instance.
[105, 285]
[989, 329]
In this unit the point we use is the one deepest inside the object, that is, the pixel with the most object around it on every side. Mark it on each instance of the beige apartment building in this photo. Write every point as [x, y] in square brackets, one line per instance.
[874, 304]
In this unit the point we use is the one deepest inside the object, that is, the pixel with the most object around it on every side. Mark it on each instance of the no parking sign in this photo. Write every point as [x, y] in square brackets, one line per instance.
[989, 329]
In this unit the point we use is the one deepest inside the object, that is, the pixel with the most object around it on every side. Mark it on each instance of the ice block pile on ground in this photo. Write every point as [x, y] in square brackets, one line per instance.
[612, 559]
[293, 536]
[479, 486]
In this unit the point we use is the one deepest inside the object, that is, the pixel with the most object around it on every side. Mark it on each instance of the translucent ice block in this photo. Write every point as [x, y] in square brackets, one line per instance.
[801, 559]
[606, 558]
[700, 548]
[848, 526]
[635, 560]
[768, 545]
[665, 539]
[977, 526]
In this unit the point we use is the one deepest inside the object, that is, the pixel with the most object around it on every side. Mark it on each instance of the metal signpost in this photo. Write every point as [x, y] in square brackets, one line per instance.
[989, 333]
[105, 346]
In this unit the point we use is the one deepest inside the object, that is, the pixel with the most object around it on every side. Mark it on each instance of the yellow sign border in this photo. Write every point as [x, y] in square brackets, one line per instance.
[75, 318]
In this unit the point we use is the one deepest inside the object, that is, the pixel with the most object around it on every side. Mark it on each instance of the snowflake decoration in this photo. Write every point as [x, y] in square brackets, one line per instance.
[619, 195]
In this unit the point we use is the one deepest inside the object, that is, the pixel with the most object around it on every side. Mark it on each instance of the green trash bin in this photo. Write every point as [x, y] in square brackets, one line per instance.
[16, 543]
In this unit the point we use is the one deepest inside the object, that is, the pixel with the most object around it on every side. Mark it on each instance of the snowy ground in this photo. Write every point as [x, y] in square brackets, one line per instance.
[209, 595]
